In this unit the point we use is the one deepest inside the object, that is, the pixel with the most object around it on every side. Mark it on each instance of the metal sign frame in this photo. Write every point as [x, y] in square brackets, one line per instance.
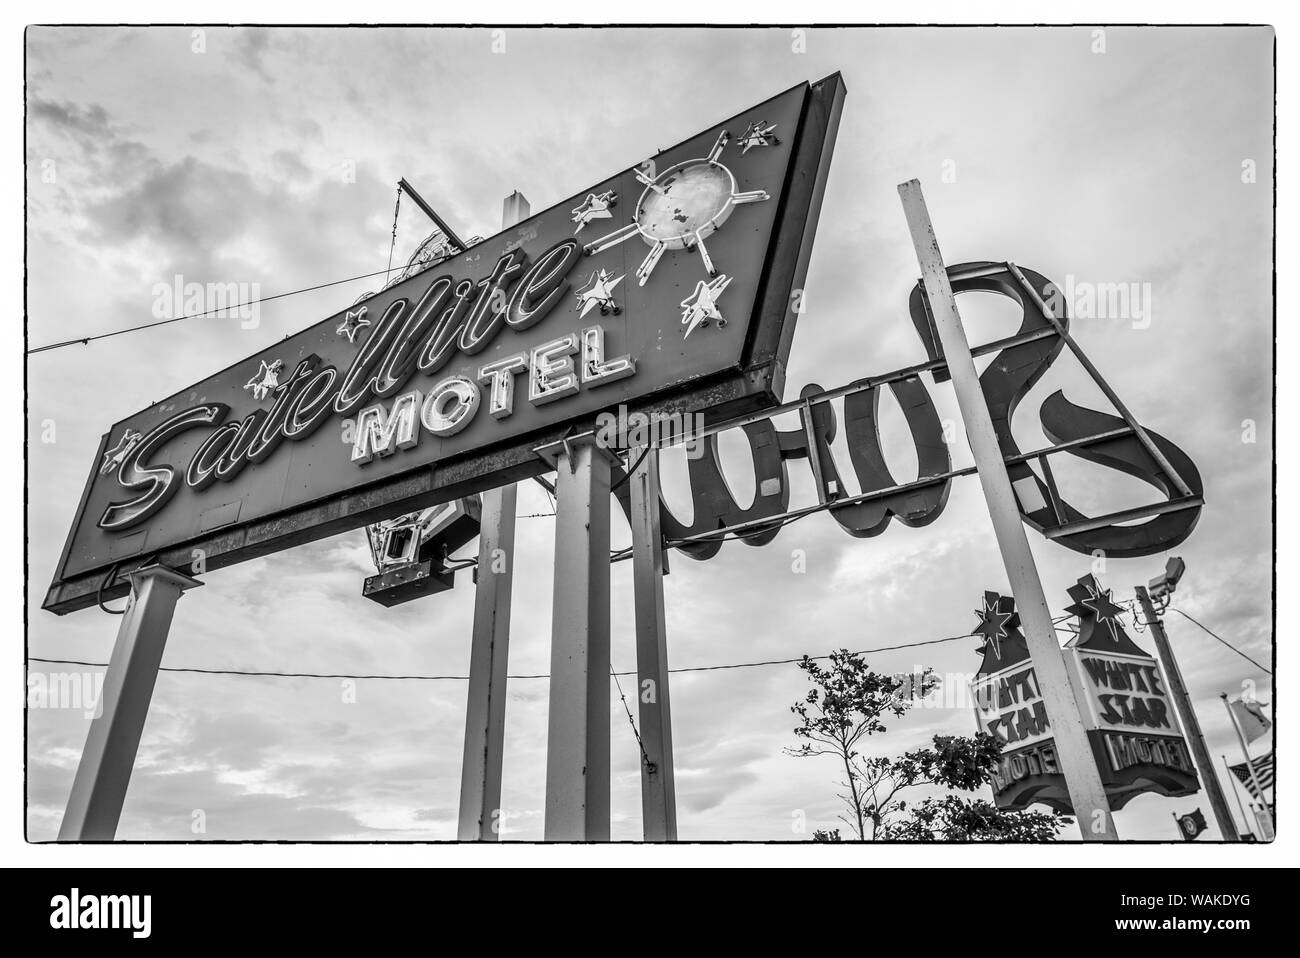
[755, 382]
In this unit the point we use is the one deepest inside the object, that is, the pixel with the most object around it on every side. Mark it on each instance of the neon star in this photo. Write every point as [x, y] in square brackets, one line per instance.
[1106, 611]
[757, 134]
[265, 379]
[113, 457]
[352, 324]
[594, 207]
[599, 291]
[702, 305]
[993, 625]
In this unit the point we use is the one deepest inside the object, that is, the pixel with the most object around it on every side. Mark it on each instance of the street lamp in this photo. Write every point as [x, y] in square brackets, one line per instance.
[1162, 586]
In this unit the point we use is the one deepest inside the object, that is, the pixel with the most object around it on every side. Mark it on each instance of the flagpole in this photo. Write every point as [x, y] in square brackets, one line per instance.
[1250, 766]
[1236, 791]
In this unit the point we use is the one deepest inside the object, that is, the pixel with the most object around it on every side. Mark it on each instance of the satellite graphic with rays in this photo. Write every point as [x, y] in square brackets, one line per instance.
[680, 208]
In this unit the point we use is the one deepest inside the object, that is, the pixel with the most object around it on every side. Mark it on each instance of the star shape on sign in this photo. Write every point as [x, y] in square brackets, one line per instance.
[265, 379]
[594, 207]
[757, 134]
[993, 623]
[599, 291]
[352, 323]
[114, 456]
[702, 305]
[1106, 611]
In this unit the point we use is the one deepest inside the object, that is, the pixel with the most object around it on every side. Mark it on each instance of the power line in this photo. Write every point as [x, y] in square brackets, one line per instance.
[1223, 641]
[83, 340]
[465, 678]
[283, 675]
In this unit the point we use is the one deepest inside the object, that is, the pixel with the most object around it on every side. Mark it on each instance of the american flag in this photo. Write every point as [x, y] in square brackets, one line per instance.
[1263, 771]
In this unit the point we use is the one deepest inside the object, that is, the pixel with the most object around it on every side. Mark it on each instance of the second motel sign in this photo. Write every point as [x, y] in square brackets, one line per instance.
[1137, 741]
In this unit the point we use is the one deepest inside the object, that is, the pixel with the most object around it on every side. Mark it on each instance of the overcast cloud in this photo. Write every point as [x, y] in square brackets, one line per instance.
[225, 166]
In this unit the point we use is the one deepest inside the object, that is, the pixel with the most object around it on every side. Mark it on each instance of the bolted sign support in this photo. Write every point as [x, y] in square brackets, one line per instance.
[104, 772]
[485, 708]
[1087, 795]
[658, 793]
[577, 735]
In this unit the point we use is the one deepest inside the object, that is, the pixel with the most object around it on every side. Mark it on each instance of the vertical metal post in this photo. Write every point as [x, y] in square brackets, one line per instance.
[485, 708]
[577, 735]
[1187, 714]
[658, 794]
[1082, 779]
[1267, 823]
[104, 772]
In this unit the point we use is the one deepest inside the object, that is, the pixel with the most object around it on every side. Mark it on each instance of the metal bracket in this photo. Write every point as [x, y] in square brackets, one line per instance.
[551, 452]
[1160, 459]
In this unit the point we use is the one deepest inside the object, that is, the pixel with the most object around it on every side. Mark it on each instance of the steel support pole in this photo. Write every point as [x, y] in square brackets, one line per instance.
[485, 709]
[481, 817]
[1187, 714]
[658, 794]
[577, 735]
[104, 772]
[1082, 779]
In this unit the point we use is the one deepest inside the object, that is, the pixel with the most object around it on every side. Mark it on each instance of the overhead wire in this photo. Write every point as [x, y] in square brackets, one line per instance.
[1222, 640]
[83, 340]
[86, 340]
[464, 678]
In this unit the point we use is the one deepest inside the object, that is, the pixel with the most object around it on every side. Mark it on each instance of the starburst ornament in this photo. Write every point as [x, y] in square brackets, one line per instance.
[1104, 608]
[1099, 618]
[680, 208]
[265, 380]
[702, 305]
[999, 626]
[994, 621]
[757, 134]
[352, 323]
[599, 291]
[595, 207]
[114, 456]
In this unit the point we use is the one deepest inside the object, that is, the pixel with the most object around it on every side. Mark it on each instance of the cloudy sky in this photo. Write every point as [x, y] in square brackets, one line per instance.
[222, 161]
